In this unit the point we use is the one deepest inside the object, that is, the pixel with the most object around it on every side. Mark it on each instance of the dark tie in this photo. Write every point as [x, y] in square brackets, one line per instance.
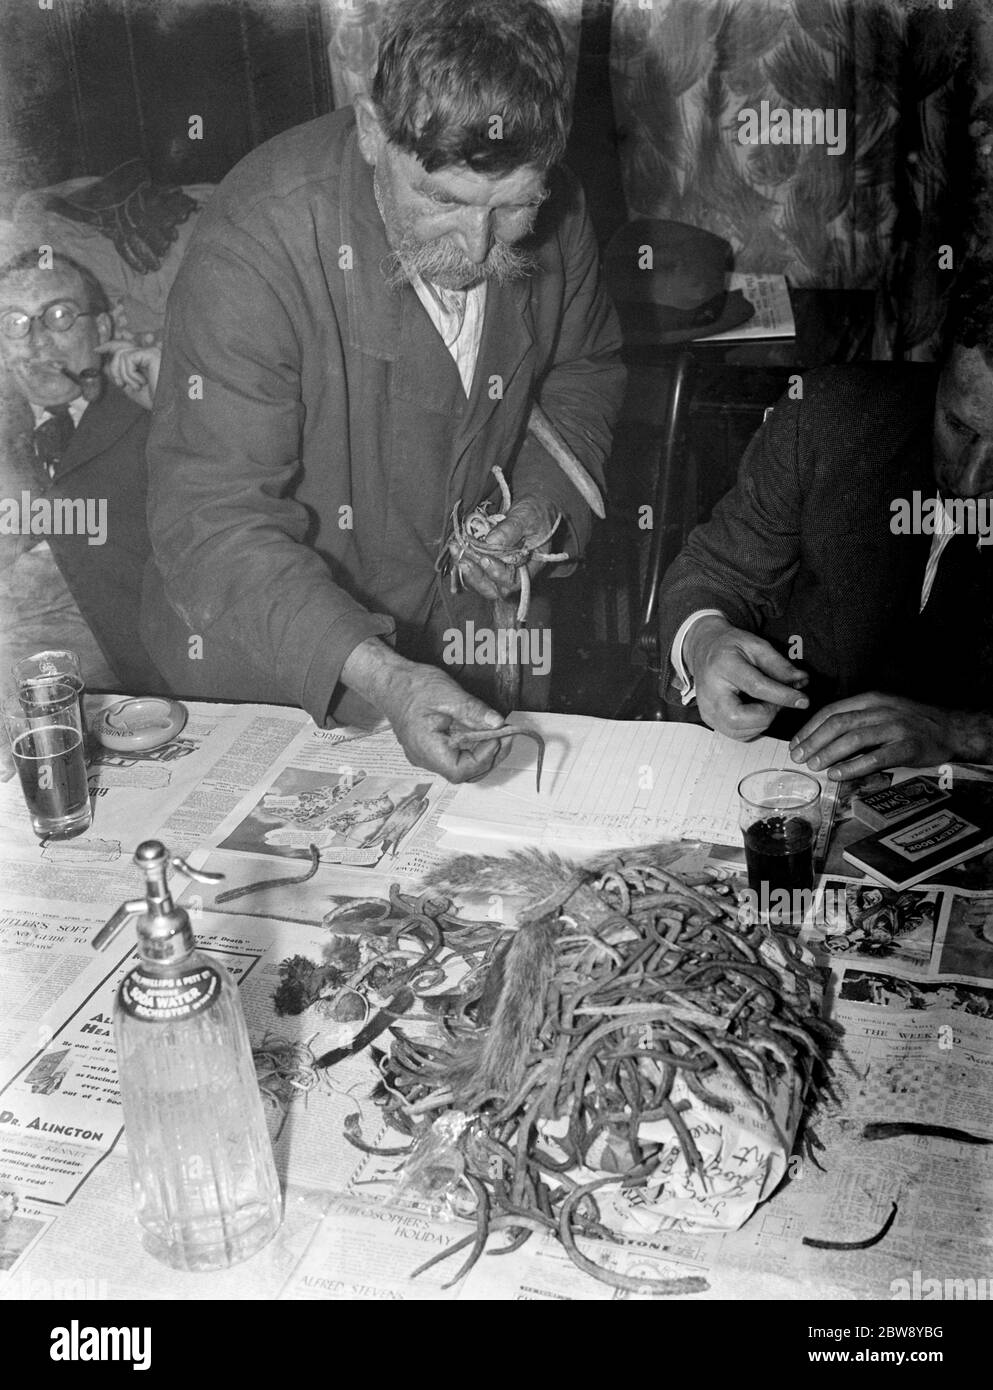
[954, 655]
[51, 437]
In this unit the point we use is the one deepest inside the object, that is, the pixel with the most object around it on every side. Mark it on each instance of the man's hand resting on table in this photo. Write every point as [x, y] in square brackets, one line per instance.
[741, 681]
[427, 711]
[525, 526]
[867, 733]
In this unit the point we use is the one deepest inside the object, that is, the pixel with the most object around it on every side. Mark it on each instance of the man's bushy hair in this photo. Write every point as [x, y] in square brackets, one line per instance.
[448, 67]
[96, 297]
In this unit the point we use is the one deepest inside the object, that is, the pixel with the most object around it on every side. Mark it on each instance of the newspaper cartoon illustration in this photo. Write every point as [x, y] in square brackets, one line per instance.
[49, 1072]
[354, 819]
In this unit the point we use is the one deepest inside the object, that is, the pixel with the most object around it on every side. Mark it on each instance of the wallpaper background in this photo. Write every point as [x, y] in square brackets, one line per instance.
[916, 82]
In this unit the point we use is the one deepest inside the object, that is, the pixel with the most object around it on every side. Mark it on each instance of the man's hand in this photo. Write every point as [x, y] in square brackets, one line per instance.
[867, 733]
[741, 681]
[526, 525]
[134, 369]
[427, 711]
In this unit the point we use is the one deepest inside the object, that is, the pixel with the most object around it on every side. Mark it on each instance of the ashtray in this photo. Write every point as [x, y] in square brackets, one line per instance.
[139, 724]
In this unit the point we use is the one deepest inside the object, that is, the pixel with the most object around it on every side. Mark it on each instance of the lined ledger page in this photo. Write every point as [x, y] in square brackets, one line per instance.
[613, 782]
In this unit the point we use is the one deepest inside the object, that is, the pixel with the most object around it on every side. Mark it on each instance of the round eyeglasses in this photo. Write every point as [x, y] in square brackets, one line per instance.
[57, 318]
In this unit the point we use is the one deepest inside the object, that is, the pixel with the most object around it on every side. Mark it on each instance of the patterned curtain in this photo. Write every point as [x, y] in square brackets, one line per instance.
[915, 175]
[914, 78]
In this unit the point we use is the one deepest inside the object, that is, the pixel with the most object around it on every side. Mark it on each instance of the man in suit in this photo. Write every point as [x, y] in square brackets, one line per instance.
[73, 537]
[369, 308]
[850, 571]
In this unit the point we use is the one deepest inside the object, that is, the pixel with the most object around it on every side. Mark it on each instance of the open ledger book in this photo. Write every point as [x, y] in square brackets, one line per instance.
[614, 782]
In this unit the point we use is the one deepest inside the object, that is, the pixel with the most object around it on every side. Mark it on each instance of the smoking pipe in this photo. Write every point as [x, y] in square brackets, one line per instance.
[89, 380]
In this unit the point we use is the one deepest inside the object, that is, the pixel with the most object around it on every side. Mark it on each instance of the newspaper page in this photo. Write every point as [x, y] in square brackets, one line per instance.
[90, 1249]
[769, 295]
[44, 950]
[911, 984]
[352, 1227]
[352, 797]
[180, 792]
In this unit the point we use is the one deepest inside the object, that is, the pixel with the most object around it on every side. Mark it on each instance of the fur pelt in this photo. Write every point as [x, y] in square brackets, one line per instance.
[539, 874]
[492, 1062]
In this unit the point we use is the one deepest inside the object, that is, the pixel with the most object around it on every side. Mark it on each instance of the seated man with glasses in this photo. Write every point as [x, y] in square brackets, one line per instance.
[73, 422]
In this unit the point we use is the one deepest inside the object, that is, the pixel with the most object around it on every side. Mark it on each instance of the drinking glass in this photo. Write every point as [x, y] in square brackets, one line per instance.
[43, 665]
[34, 672]
[779, 815]
[43, 725]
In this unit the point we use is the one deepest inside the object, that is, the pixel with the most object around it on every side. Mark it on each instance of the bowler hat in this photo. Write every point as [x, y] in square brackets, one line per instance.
[669, 282]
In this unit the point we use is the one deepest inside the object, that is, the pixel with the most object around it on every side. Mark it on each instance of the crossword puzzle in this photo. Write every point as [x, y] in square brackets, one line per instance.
[902, 1089]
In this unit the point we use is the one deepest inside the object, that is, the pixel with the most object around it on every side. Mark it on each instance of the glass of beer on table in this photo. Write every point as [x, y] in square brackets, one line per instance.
[32, 673]
[46, 741]
[779, 815]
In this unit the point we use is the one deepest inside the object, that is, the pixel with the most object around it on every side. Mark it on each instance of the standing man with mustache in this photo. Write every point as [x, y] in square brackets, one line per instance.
[370, 307]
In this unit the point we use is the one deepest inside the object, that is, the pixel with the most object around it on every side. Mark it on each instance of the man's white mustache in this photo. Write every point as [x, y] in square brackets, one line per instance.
[441, 257]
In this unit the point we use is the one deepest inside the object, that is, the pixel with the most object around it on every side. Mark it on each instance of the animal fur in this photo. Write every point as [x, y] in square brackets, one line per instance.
[538, 875]
[493, 1061]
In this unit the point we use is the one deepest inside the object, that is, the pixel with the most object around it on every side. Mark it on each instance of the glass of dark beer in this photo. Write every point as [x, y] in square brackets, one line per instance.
[46, 741]
[780, 813]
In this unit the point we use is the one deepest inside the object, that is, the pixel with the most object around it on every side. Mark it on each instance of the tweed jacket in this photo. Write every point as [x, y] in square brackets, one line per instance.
[802, 546]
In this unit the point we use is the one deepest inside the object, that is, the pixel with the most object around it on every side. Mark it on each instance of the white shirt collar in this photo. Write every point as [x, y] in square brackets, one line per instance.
[458, 317]
[76, 408]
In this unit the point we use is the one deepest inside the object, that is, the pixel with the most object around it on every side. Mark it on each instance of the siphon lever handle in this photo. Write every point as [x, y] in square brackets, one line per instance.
[110, 928]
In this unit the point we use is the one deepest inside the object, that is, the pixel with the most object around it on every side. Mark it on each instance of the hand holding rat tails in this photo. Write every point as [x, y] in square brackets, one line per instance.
[497, 553]
[429, 713]
[469, 740]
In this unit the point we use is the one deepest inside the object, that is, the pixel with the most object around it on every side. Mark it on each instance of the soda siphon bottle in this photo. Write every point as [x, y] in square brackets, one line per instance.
[202, 1170]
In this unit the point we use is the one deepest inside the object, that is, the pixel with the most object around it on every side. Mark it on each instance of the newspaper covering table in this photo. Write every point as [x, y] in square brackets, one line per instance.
[240, 793]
